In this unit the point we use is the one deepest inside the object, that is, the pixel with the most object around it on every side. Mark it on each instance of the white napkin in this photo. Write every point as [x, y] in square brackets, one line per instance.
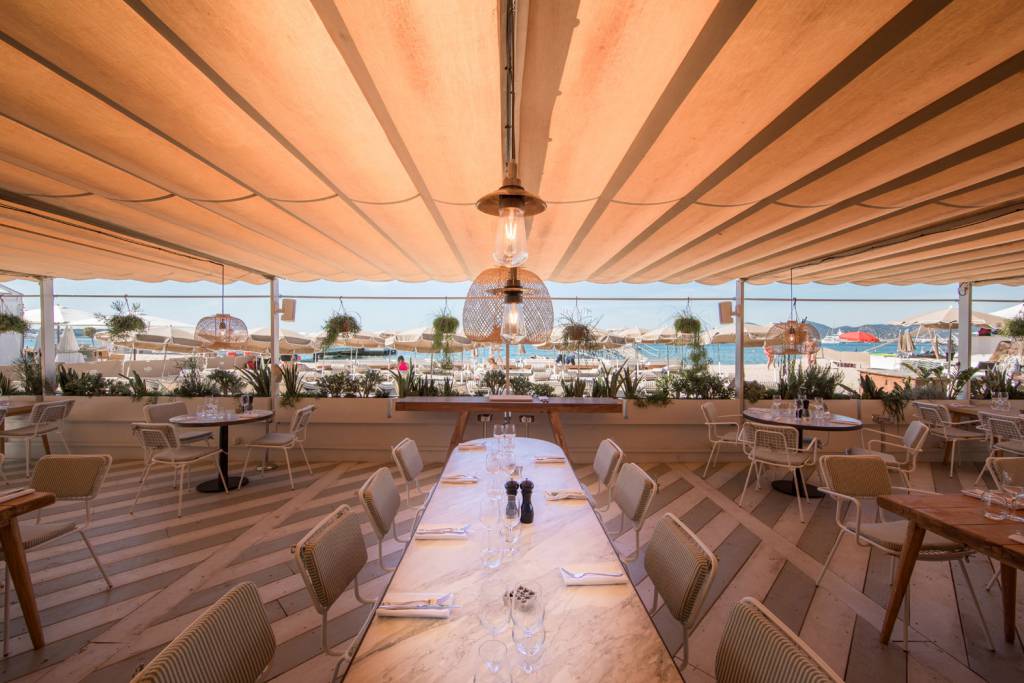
[1017, 538]
[549, 459]
[603, 573]
[442, 532]
[471, 446]
[565, 494]
[417, 605]
[11, 494]
[459, 479]
[974, 493]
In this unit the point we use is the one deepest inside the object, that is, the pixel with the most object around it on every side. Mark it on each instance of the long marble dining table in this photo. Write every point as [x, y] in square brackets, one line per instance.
[593, 633]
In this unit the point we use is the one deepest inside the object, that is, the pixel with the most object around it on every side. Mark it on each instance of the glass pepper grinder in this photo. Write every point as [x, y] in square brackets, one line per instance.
[511, 488]
[526, 509]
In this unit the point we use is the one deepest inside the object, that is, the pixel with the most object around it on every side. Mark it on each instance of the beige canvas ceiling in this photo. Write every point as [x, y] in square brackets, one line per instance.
[868, 142]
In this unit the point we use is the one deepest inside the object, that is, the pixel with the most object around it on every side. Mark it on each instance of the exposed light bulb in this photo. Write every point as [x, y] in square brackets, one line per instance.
[510, 238]
[511, 329]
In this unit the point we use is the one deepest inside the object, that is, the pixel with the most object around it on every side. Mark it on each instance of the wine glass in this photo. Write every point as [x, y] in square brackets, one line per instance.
[510, 527]
[490, 512]
[776, 405]
[1013, 487]
[996, 505]
[493, 653]
[527, 608]
[490, 553]
[530, 645]
[494, 606]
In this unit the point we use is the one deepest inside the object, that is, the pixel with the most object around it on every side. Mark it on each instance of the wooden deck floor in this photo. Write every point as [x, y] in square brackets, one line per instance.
[166, 570]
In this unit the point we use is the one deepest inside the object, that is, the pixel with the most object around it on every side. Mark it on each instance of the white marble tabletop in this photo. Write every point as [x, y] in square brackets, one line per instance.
[594, 633]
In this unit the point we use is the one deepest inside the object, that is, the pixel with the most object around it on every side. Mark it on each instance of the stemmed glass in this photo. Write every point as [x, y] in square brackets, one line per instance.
[493, 653]
[776, 405]
[1014, 491]
[490, 513]
[527, 608]
[494, 608]
[490, 553]
[493, 465]
[510, 527]
[530, 646]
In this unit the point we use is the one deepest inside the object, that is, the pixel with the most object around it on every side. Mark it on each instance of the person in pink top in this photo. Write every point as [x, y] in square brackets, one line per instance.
[402, 365]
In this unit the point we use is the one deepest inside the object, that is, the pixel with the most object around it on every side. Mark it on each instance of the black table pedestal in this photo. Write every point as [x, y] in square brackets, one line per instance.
[214, 485]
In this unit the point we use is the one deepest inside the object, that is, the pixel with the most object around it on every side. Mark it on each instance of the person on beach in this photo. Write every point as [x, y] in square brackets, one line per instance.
[770, 353]
[402, 365]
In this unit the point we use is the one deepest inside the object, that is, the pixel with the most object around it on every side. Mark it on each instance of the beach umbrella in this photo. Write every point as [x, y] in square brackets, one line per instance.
[905, 344]
[63, 315]
[1015, 311]
[858, 336]
[664, 335]
[726, 334]
[621, 336]
[289, 341]
[421, 339]
[67, 347]
[949, 318]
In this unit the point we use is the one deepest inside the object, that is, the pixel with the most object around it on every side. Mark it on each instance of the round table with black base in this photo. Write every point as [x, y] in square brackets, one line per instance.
[222, 422]
[835, 423]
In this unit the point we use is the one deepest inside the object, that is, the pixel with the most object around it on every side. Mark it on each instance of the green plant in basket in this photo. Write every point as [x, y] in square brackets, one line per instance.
[9, 322]
[125, 321]
[340, 325]
[1014, 327]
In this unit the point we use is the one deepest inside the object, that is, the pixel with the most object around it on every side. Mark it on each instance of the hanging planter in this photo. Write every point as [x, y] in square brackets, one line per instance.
[9, 322]
[1014, 327]
[126, 321]
[579, 331]
[341, 325]
[687, 323]
[445, 325]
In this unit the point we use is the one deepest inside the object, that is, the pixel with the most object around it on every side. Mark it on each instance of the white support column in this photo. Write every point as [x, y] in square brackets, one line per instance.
[45, 342]
[738, 316]
[275, 334]
[965, 292]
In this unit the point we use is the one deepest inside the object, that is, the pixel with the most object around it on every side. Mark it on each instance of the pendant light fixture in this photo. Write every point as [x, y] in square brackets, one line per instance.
[511, 202]
[794, 337]
[221, 330]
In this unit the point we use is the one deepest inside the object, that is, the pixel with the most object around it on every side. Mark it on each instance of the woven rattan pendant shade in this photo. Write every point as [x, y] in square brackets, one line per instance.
[482, 312]
[793, 338]
[221, 331]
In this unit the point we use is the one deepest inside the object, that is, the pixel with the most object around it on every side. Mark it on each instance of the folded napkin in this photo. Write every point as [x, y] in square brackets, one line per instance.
[417, 605]
[593, 574]
[442, 532]
[11, 494]
[460, 479]
[545, 459]
[1017, 538]
[471, 446]
[565, 494]
[974, 493]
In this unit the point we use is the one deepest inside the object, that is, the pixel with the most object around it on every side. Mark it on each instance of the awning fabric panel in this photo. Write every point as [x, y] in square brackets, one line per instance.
[674, 141]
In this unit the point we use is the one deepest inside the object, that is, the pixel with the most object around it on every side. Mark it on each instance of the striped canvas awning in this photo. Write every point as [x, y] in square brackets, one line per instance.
[876, 142]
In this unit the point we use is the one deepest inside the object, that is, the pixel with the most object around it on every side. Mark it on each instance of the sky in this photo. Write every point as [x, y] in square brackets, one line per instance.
[407, 314]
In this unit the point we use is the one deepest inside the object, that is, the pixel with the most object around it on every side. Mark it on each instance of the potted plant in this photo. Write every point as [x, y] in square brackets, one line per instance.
[341, 324]
[445, 325]
[1014, 327]
[687, 323]
[578, 331]
[9, 322]
[126, 320]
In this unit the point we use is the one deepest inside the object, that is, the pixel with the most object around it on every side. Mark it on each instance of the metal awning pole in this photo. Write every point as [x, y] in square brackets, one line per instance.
[738, 317]
[45, 341]
[965, 292]
[275, 334]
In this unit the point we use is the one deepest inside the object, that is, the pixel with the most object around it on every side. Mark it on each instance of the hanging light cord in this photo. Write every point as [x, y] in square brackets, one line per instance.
[510, 85]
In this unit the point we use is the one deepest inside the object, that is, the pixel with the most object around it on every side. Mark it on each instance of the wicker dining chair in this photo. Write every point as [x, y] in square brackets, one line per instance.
[778, 447]
[1006, 440]
[756, 647]
[284, 441]
[329, 559]
[406, 455]
[850, 479]
[68, 478]
[231, 642]
[634, 492]
[160, 446]
[46, 418]
[909, 447]
[722, 432]
[681, 567]
[940, 424]
[381, 500]
[163, 412]
[607, 463]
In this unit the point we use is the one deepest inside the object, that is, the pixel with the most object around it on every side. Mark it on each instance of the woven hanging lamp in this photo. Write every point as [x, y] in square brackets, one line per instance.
[483, 312]
[793, 337]
[221, 330]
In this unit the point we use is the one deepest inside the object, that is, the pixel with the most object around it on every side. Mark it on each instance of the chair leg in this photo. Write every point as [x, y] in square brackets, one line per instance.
[607, 506]
[380, 556]
[308, 466]
[7, 607]
[906, 620]
[711, 458]
[952, 458]
[977, 605]
[96, 559]
[181, 488]
[799, 506]
[288, 463]
[60, 435]
[995, 576]
[223, 479]
[245, 463]
[828, 560]
[145, 474]
[746, 481]
[906, 477]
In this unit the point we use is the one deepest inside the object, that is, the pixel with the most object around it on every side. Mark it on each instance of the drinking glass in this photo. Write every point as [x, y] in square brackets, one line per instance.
[510, 527]
[776, 405]
[527, 608]
[490, 553]
[493, 607]
[493, 653]
[490, 512]
[530, 645]
[996, 505]
[1014, 491]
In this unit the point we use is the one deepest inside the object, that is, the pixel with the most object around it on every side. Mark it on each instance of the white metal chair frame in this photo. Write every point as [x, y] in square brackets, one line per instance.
[842, 512]
[936, 417]
[410, 471]
[382, 533]
[780, 439]
[156, 439]
[702, 592]
[46, 418]
[607, 481]
[297, 431]
[714, 423]
[910, 450]
[347, 655]
[45, 462]
[1003, 430]
[637, 522]
[164, 413]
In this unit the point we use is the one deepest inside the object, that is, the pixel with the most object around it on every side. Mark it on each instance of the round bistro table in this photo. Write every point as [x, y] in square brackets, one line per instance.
[223, 421]
[835, 423]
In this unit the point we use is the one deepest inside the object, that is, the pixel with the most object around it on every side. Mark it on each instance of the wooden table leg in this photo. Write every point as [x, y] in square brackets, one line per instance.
[459, 431]
[2, 441]
[908, 558]
[17, 565]
[1008, 578]
[46, 444]
[556, 430]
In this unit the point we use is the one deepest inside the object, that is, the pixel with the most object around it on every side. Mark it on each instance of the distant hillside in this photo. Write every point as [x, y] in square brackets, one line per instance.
[880, 330]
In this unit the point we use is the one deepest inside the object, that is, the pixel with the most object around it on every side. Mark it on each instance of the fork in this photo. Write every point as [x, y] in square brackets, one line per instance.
[422, 602]
[580, 575]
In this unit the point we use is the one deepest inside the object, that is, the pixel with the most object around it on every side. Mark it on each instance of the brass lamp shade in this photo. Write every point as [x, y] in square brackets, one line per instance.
[221, 331]
[482, 312]
[793, 338]
[511, 193]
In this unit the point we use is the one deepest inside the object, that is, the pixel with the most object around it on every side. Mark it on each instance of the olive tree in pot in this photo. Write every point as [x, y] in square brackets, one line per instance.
[125, 321]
